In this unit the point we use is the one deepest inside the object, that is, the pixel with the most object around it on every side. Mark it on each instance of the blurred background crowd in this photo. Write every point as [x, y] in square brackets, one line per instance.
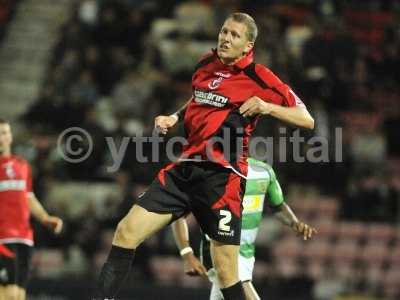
[111, 66]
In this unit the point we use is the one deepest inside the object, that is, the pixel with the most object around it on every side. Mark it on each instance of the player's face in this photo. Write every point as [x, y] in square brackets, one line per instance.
[232, 42]
[5, 138]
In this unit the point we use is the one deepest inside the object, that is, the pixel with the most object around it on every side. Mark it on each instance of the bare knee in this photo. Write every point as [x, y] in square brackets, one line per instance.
[12, 292]
[22, 294]
[249, 291]
[226, 274]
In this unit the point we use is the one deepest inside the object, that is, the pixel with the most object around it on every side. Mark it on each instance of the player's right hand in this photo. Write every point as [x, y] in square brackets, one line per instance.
[192, 265]
[53, 223]
[163, 123]
[304, 230]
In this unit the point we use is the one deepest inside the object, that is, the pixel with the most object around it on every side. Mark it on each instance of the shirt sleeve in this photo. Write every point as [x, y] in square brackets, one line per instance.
[274, 191]
[29, 179]
[276, 92]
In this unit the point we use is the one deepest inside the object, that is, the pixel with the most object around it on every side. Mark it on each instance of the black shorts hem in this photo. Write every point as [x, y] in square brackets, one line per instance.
[15, 271]
[175, 215]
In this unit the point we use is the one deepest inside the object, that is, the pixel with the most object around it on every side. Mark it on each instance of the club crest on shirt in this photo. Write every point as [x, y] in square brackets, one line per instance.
[9, 169]
[216, 82]
[262, 186]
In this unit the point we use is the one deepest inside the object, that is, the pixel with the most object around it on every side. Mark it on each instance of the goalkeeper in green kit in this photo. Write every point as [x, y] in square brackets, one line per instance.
[261, 184]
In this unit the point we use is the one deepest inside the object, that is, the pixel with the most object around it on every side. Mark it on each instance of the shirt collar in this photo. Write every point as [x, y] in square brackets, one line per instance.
[240, 64]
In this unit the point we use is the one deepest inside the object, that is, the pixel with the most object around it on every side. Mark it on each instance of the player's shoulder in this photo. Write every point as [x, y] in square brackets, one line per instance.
[207, 55]
[262, 69]
[262, 75]
[266, 74]
[19, 159]
[258, 163]
[261, 166]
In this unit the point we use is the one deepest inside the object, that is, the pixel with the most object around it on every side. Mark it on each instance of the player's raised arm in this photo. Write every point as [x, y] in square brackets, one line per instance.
[39, 213]
[191, 264]
[277, 99]
[296, 115]
[163, 123]
[283, 212]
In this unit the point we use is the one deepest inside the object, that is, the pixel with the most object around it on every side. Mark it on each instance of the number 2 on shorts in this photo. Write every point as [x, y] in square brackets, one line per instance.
[227, 216]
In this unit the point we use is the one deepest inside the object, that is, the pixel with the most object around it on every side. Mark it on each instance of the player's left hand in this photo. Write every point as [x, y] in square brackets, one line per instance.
[304, 229]
[255, 106]
[192, 266]
[54, 223]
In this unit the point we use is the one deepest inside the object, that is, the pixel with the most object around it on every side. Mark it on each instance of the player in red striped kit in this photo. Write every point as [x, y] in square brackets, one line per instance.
[229, 94]
[17, 203]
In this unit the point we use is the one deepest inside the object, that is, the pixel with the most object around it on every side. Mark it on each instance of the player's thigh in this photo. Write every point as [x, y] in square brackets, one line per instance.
[13, 292]
[249, 291]
[139, 224]
[2, 296]
[22, 294]
[225, 260]
[14, 272]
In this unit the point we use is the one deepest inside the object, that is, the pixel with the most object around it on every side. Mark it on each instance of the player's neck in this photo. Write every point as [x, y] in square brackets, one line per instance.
[6, 153]
[231, 62]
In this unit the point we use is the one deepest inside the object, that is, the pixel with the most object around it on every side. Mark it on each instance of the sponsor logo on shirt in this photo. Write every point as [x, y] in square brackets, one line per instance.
[12, 185]
[210, 98]
[252, 203]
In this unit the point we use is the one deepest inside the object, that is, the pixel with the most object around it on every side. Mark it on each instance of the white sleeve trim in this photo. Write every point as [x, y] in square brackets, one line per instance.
[297, 100]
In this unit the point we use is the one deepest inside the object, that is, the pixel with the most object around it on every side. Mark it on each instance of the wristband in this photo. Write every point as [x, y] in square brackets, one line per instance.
[175, 116]
[185, 250]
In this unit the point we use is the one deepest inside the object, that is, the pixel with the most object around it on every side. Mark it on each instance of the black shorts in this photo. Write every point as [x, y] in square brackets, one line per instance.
[211, 192]
[16, 270]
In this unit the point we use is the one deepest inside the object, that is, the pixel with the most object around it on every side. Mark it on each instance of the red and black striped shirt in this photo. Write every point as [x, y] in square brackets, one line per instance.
[218, 90]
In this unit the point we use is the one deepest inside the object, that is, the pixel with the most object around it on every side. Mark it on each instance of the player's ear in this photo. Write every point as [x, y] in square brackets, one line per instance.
[248, 47]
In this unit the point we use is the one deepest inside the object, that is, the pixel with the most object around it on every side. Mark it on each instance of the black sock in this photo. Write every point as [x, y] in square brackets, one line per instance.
[114, 272]
[234, 292]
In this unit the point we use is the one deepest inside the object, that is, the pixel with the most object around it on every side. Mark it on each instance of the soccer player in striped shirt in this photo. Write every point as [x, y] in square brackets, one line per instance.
[230, 92]
[261, 183]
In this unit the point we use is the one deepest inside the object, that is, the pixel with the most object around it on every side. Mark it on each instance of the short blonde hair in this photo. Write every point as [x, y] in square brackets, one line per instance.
[252, 30]
[3, 121]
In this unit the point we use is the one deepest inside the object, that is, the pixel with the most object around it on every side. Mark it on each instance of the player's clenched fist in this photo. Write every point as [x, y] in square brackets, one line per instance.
[255, 106]
[53, 223]
[163, 123]
[304, 229]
